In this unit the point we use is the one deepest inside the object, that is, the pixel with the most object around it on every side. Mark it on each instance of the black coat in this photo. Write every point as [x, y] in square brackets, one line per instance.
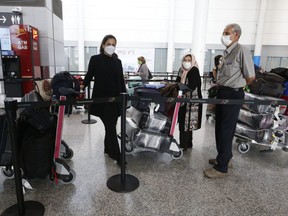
[193, 81]
[108, 81]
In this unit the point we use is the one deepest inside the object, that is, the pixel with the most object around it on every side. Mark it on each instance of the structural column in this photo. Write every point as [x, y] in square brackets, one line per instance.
[171, 29]
[260, 30]
[81, 61]
[199, 31]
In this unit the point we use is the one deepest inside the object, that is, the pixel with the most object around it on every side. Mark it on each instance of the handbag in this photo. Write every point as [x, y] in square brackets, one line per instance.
[212, 92]
[150, 76]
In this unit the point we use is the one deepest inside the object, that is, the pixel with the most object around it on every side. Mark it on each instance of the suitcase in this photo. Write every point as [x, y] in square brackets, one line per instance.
[152, 140]
[39, 118]
[143, 105]
[156, 122]
[260, 86]
[281, 71]
[260, 136]
[259, 108]
[36, 134]
[134, 114]
[256, 121]
[5, 141]
[36, 150]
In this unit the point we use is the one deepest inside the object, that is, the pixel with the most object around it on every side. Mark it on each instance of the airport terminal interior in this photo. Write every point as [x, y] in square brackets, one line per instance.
[41, 39]
[256, 185]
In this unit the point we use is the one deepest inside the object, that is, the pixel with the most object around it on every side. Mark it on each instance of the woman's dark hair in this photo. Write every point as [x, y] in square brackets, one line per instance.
[105, 40]
[216, 60]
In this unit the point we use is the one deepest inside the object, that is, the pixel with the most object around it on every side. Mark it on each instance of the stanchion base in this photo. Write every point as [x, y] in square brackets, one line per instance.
[87, 121]
[131, 183]
[32, 208]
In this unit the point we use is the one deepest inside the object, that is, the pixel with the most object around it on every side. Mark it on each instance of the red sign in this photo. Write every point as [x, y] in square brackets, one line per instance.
[25, 43]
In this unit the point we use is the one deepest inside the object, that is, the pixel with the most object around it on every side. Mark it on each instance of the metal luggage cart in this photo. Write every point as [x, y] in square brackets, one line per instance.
[273, 138]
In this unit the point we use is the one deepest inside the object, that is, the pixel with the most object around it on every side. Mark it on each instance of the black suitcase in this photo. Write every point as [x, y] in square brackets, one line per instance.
[143, 105]
[36, 150]
[5, 144]
[260, 86]
[36, 134]
[281, 71]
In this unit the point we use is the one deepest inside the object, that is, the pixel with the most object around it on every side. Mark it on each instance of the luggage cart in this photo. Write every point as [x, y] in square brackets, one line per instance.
[152, 130]
[273, 134]
[64, 152]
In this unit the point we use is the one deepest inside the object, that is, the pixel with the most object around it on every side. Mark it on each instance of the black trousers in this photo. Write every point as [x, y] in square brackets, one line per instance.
[226, 120]
[109, 118]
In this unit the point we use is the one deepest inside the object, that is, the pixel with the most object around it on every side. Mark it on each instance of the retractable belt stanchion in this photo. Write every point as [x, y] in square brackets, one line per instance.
[89, 121]
[123, 182]
[31, 208]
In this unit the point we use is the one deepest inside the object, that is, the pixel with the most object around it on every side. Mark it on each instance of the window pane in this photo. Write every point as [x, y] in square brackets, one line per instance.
[160, 60]
[71, 58]
[88, 52]
[284, 62]
[272, 62]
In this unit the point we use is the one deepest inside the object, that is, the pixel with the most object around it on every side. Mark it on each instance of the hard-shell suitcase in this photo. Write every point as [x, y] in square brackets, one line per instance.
[260, 136]
[256, 121]
[156, 122]
[259, 108]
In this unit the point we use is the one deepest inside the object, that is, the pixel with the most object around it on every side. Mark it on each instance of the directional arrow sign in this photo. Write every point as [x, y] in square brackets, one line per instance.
[8, 19]
[3, 19]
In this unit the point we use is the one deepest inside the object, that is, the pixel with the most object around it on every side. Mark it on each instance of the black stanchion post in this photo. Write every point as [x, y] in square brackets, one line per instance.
[89, 120]
[21, 208]
[123, 182]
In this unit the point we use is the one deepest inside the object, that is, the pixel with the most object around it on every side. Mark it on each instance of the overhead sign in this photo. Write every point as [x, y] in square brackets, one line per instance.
[8, 19]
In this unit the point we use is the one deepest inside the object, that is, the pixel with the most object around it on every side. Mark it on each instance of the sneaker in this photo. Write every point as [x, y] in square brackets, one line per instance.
[214, 174]
[213, 161]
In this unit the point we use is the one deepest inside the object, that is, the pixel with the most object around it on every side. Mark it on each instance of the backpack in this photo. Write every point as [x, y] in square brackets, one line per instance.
[66, 80]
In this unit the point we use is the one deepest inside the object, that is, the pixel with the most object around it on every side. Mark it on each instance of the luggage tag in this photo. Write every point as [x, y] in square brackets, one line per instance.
[152, 107]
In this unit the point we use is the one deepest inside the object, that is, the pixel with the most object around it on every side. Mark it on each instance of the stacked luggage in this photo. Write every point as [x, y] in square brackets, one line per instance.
[261, 124]
[36, 134]
[148, 126]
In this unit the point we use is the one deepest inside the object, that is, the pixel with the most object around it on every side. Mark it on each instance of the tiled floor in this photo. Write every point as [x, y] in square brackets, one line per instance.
[257, 185]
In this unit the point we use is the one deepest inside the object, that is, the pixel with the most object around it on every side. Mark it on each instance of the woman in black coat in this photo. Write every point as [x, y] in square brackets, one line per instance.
[107, 71]
[190, 114]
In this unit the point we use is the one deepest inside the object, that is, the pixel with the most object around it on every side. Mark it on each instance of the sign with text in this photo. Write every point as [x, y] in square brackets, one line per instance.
[129, 56]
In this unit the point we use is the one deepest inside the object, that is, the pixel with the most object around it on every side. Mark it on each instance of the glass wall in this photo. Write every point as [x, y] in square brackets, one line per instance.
[71, 58]
[274, 62]
[89, 51]
[160, 63]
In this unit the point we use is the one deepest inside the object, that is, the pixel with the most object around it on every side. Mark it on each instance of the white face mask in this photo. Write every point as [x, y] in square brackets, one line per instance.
[187, 65]
[225, 39]
[109, 50]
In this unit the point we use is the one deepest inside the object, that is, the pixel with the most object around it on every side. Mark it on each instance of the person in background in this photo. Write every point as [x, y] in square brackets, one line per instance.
[236, 71]
[190, 115]
[143, 70]
[107, 71]
[217, 63]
